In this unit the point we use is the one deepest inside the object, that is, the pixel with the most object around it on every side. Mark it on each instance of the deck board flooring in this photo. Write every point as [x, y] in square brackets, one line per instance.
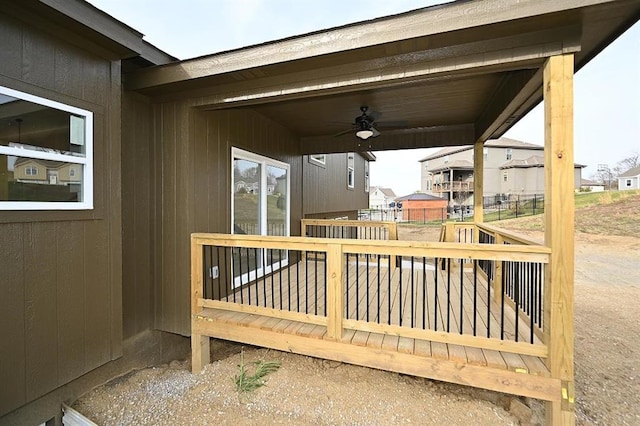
[296, 290]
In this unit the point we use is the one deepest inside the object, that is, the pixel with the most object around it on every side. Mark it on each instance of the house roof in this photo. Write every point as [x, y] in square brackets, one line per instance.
[497, 143]
[587, 182]
[51, 164]
[91, 28]
[386, 191]
[533, 161]
[418, 196]
[447, 75]
[454, 165]
[635, 171]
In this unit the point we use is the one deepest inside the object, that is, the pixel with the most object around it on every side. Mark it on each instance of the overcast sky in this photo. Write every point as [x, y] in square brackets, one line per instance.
[607, 90]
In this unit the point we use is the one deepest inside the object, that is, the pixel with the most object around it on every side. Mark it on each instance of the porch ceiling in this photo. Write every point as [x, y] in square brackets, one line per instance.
[445, 75]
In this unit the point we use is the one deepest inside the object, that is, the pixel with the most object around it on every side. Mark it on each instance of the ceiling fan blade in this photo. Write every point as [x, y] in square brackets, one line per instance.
[344, 132]
[374, 115]
[375, 132]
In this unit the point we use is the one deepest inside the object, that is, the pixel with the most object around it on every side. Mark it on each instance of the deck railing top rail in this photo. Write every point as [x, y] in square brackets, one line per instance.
[508, 236]
[510, 252]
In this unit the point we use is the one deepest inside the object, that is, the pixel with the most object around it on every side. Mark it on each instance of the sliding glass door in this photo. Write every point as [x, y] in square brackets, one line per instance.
[259, 206]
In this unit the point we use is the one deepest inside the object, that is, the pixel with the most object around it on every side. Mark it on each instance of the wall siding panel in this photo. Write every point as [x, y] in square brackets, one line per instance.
[12, 326]
[70, 289]
[136, 215]
[194, 156]
[40, 260]
[325, 188]
[60, 270]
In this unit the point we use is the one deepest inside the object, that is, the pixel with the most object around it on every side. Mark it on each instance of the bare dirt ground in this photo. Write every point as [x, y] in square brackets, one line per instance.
[312, 391]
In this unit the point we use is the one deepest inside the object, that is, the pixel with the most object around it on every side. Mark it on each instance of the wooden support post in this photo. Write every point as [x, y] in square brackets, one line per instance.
[200, 352]
[393, 236]
[335, 291]
[478, 182]
[559, 231]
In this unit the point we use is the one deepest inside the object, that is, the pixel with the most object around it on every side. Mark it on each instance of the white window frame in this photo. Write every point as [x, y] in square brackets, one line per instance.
[485, 153]
[628, 182]
[318, 159]
[509, 153]
[351, 175]
[366, 176]
[505, 176]
[85, 162]
[237, 153]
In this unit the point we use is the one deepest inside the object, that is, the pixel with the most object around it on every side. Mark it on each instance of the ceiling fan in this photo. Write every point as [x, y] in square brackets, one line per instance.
[365, 125]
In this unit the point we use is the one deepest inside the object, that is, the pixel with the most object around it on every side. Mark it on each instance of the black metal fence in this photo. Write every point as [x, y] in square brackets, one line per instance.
[495, 208]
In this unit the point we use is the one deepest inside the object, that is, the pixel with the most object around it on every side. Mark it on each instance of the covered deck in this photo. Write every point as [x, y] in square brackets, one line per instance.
[470, 313]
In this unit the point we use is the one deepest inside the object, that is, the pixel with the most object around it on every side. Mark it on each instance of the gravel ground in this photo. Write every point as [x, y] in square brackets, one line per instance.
[312, 391]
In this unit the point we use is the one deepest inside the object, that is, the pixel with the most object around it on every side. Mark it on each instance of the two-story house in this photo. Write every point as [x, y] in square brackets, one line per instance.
[511, 168]
[380, 198]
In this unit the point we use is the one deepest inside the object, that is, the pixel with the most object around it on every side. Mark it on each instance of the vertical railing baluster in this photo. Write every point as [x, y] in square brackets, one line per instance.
[424, 293]
[315, 283]
[400, 291]
[435, 300]
[412, 295]
[504, 286]
[448, 295]
[347, 276]
[378, 292]
[475, 297]
[357, 272]
[461, 295]
[367, 284]
[517, 295]
[389, 291]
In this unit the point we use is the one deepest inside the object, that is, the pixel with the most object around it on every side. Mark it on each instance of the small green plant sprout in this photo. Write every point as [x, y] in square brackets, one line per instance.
[251, 375]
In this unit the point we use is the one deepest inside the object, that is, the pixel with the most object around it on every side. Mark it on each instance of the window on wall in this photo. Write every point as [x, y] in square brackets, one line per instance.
[505, 176]
[351, 178]
[318, 159]
[485, 152]
[41, 142]
[628, 182]
[509, 153]
[446, 159]
[259, 206]
[366, 176]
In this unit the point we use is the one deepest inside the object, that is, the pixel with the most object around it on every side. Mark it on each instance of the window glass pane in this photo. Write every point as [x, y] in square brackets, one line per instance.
[246, 197]
[36, 127]
[30, 179]
[276, 200]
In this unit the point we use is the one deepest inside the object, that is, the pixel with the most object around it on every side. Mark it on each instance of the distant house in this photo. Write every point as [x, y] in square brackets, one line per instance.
[49, 172]
[591, 186]
[629, 179]
[511, 168]
[421, 207]
[380, 198]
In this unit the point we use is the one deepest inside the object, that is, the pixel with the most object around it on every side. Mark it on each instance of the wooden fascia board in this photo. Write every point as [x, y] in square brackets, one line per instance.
[495, 55]
[419, 23]
[429, 137]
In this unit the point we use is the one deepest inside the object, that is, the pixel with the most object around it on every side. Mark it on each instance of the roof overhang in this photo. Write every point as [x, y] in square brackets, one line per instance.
[80, 23]
[446, 75]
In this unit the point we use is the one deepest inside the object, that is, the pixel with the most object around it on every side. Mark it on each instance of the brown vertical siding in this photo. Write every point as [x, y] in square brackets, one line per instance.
[325, 188]
[12, 326]
[192, 161]
[60, 271]
[137, 215]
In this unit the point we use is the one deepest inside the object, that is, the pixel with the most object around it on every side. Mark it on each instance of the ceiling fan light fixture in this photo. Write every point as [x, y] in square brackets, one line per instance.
[364, 134]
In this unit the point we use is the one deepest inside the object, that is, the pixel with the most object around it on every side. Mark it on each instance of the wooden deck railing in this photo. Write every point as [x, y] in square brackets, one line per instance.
[349, 229]
[516, 283]
[349, 287]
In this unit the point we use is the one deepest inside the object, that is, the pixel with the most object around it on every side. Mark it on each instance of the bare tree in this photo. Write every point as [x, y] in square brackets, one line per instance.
[627, 164]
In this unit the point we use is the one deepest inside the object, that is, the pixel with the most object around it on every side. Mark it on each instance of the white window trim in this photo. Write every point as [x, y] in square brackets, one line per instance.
[264, 162]
[86, 162]
[318, 162]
